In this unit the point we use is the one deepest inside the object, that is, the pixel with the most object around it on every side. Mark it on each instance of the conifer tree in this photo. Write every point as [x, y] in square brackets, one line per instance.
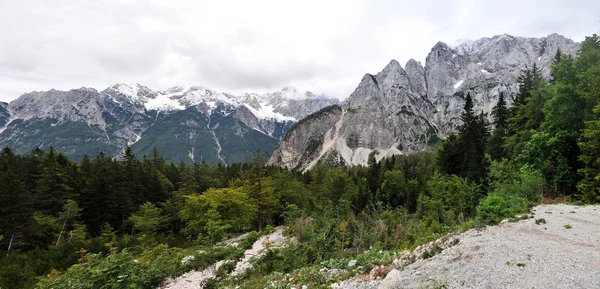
[500, 114]
[464, 153]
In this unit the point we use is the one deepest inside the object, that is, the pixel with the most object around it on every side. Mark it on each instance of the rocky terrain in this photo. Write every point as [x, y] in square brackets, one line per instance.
[194, 279]
[404, 110]
[559, 247]
[183, 123]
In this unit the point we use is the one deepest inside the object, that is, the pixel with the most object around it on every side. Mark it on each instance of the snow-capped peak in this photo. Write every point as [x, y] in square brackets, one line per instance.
[284, 105]
[128, 89]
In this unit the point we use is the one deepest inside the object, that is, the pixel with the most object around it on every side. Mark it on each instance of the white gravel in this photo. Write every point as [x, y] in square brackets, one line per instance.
[512, 255]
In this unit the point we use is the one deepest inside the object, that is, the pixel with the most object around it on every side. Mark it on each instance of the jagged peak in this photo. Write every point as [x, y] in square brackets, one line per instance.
[368, 79]
[412, 64]
[440, 46]
[393, 65]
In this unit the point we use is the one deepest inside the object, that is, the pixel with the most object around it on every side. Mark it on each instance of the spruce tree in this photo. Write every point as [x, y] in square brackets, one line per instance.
[500, 114]
[526, 113]
[464, 154]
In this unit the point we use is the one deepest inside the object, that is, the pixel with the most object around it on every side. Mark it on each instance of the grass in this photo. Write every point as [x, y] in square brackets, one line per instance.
[567, 226]
[540, 221]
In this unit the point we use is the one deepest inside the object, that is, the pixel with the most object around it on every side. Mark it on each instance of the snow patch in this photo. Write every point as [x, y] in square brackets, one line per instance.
[485, 72]
[458, 84]
[163, 102]
[128, 89]
[267, 112]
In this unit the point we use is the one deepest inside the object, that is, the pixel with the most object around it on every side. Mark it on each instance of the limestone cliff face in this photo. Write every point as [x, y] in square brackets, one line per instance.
[404, 110]
[307, 140]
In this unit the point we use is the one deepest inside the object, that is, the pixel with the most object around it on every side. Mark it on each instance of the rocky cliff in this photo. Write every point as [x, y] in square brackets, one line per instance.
[404, 110]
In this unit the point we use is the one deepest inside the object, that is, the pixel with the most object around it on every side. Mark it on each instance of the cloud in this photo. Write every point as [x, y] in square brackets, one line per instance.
[250, 46]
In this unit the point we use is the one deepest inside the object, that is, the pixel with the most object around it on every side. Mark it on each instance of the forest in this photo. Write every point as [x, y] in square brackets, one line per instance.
[127, 222]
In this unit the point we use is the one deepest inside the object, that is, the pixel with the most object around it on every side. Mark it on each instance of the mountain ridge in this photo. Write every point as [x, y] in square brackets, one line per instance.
[404, 110]
[123, 114]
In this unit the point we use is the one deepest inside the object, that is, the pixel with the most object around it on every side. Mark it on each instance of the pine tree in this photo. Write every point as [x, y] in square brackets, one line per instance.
[15, 199]
[526, 113]
[53, 186]
[464, 154]
[557, 56]
[500, 114]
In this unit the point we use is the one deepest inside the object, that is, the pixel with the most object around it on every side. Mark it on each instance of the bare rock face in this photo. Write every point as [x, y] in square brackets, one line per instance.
[308, 139]
[4, 114]
[404, 110]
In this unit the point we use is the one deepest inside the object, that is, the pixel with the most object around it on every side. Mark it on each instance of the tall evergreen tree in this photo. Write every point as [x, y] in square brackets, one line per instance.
[500, 115]
[526, 113]
[53, 186]
[588, 64]
[464, 154]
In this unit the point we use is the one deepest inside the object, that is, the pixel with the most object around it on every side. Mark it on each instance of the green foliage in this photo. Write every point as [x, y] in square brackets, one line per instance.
[147, 220]
[234, 207]
[506, 180]
[494, 208]
[215, 228]
[249, 241]
[119, 270]
[495, 143]
[463, 154]
[451, 198]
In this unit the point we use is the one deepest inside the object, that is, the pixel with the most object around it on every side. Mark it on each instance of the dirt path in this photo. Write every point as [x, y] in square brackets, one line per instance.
[513, 255]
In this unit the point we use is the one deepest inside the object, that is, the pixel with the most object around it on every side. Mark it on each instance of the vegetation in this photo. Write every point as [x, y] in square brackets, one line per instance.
[120, 223]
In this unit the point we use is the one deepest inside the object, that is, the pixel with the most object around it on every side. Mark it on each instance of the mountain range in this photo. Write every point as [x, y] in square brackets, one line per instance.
[190, 124]
[399, 110]
[408, 109]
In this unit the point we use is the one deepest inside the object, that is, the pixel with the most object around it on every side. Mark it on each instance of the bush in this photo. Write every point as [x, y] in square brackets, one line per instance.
[249, 241]
[496, 207]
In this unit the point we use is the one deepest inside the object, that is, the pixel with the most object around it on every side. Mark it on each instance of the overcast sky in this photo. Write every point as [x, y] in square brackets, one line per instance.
[324, 46]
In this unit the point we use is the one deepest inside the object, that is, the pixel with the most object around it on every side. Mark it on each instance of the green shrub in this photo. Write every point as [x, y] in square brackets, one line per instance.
[119, 270]
[495, 208]
[249, 241]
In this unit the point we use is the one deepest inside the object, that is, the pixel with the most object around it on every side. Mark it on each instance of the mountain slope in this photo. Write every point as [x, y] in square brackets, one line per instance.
[184, 124]
[403, 110]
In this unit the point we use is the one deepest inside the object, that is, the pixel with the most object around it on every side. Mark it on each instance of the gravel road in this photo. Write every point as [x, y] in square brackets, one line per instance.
[563, 252]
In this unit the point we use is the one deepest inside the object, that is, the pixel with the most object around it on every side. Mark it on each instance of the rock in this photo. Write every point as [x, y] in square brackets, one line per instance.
[187, 259]
[389, 282]
[352, 263]
[405, 110]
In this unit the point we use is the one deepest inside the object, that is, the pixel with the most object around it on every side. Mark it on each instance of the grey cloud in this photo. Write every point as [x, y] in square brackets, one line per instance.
[259, 45]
